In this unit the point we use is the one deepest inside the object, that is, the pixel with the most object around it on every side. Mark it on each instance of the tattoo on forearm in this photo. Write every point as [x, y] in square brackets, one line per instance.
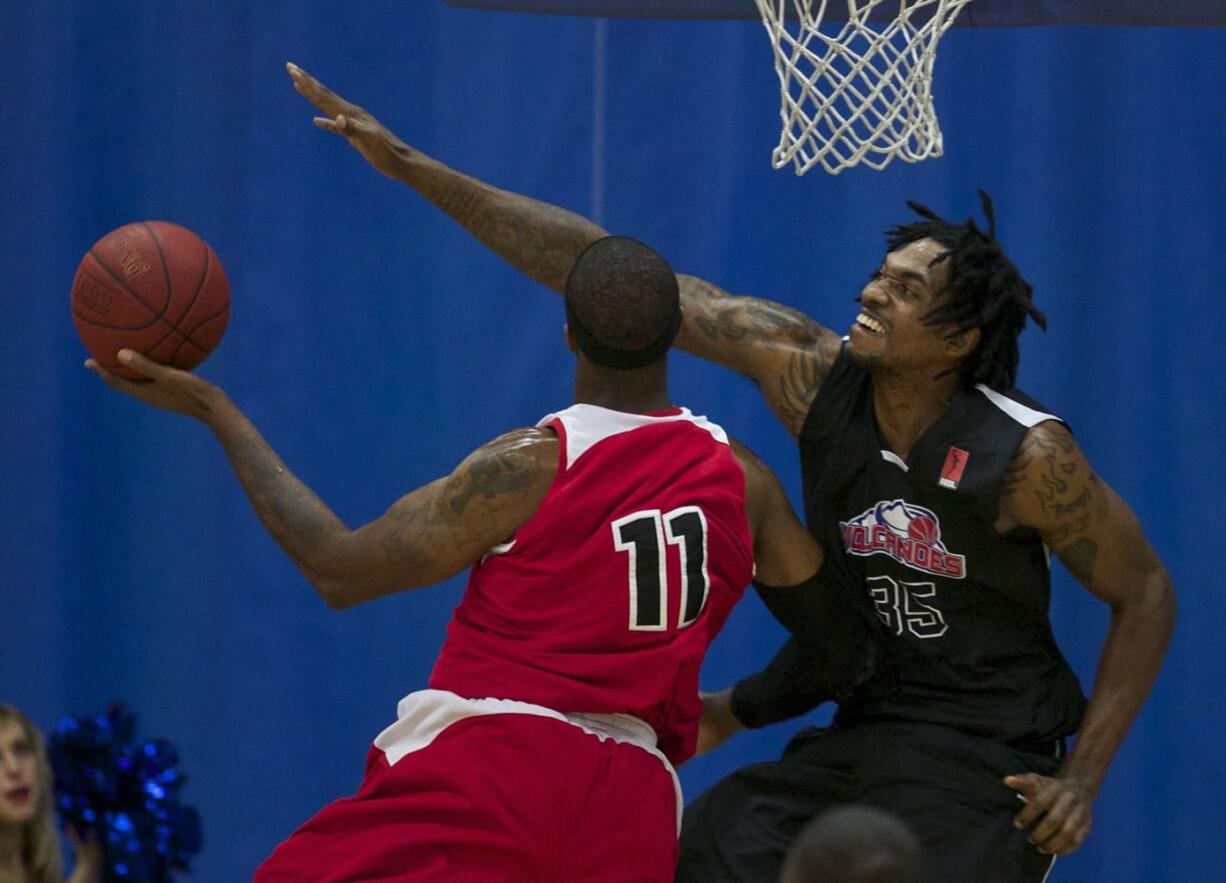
[537, 238]
[540, 241]
[293, 514]
[459, 199]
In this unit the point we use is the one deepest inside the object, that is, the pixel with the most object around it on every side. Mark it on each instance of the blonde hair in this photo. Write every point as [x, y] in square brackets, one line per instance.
[40, 841]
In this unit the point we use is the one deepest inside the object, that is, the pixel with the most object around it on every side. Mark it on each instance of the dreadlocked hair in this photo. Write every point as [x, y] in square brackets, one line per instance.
[984, 290]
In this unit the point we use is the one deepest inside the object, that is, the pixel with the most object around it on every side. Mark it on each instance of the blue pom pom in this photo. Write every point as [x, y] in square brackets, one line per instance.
[127, 794]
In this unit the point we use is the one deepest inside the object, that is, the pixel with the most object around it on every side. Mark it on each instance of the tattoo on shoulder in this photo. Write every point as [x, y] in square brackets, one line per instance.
[490, 484]
[504, 468]
[1045, 469]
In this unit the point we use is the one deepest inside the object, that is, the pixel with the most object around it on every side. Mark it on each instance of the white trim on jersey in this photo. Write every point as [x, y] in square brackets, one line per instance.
[891, 457]
[1024, 415]
[1049, 869]
[500, 549]
[422, 715]
[587, 425]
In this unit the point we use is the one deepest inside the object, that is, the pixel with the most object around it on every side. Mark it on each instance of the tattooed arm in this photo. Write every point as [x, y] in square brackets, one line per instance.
[426, 536]
[785, 352]
[1050, 488]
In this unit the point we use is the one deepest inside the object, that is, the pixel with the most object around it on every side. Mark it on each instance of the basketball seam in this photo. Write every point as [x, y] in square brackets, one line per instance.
[204, 274]
[160, 316]
[77, 312]
[186, 338]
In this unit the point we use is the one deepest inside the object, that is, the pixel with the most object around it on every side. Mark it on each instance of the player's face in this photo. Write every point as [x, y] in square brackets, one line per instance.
[19, 786]
[889, 332]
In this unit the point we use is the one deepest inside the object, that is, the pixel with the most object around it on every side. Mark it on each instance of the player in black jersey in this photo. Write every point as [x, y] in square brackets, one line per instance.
[945, 489]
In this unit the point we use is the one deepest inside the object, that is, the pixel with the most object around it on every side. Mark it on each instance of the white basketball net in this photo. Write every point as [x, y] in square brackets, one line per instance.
[863, 95]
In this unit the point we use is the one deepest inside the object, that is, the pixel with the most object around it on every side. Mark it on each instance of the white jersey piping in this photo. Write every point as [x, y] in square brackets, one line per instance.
[422, 715]
[891, 457]
[1024, 415]
[587, 425]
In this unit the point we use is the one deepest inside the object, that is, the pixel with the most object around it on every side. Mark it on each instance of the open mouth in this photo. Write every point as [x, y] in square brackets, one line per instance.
[18, 795]
[869, 324]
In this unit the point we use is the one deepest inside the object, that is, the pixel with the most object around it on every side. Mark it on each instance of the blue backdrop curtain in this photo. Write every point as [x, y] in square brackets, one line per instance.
[375, 344]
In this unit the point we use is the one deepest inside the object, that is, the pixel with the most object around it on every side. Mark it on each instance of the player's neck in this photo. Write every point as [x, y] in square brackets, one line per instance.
[905, 405]
[640, 391]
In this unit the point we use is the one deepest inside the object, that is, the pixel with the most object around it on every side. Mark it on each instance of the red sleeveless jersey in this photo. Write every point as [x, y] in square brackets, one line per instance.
[606, 599]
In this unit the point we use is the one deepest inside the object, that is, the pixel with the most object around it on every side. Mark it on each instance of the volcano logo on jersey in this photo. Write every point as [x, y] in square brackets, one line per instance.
[908, 534]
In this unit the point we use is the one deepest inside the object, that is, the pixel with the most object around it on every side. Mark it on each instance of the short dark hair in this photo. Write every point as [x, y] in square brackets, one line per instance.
[622, 303]
[984, 290]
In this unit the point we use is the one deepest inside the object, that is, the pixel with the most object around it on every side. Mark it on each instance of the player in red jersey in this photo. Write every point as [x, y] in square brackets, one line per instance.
[607, 544]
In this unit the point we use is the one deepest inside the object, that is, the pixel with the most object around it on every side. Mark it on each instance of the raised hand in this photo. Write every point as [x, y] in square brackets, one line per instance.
[1058, 809]
[381, 148]
[167, 388]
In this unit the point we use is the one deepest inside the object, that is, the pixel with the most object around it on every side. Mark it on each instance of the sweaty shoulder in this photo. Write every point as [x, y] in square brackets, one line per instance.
[514, 469]
[529, 450]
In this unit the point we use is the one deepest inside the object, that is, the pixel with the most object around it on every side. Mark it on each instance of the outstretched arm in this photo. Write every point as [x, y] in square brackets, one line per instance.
[782, 350]
[539, 239]
[1050, 488]
[426, 536]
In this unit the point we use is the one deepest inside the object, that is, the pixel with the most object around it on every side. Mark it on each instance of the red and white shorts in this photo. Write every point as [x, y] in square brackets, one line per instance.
[494, 790]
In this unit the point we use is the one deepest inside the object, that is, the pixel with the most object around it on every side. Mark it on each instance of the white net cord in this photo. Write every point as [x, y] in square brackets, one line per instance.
[863, 94]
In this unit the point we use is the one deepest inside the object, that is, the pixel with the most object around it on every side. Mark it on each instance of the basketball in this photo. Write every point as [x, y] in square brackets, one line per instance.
[153, 287]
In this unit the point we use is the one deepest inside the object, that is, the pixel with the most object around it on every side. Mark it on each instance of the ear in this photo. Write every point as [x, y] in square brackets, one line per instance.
[570, 340]
[961, 344]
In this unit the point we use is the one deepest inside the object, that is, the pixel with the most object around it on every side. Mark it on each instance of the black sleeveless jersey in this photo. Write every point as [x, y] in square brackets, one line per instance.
[968, 641]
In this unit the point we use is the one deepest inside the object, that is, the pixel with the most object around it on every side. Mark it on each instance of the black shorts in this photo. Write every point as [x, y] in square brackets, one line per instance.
[946, 785]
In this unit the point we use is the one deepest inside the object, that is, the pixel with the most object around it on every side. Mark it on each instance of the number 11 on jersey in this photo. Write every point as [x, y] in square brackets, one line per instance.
[646, 535]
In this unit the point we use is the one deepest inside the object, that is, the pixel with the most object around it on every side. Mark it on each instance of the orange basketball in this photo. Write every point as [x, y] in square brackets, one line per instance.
[153, 287]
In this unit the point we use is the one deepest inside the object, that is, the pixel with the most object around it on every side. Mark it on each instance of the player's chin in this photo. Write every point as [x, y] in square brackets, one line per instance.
[861, 356]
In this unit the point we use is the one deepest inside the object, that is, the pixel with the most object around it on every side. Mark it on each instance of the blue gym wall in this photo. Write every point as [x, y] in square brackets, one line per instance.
[375, 344]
